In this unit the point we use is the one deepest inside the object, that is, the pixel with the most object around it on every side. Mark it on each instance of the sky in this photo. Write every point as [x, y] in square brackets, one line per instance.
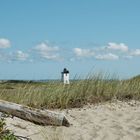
[38, 38]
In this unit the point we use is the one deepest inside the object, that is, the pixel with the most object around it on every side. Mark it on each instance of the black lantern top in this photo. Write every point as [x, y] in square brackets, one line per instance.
[65, 71]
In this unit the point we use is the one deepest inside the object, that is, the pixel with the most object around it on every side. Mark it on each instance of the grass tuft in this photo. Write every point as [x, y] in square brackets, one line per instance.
[93, 89]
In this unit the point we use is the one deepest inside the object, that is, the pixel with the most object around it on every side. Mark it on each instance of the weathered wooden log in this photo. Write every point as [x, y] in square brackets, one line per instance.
[34, 115]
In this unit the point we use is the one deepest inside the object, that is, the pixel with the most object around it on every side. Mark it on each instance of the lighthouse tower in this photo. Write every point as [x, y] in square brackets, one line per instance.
[65, 76]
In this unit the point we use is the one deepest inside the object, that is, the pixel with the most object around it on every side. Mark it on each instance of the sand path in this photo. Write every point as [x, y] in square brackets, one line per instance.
[109, 121]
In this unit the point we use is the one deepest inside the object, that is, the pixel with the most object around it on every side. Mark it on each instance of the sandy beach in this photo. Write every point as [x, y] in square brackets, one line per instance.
[107, 121]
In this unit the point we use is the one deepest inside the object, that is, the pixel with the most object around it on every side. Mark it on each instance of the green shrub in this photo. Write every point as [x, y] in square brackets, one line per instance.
[5, 134]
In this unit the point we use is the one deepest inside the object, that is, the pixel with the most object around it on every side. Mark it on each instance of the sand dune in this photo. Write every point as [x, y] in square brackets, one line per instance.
[109, 121]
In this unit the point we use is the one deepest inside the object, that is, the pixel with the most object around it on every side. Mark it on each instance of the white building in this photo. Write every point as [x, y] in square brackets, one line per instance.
[65, 76]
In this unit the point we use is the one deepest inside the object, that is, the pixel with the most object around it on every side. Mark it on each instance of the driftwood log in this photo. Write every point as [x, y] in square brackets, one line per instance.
[33, 115]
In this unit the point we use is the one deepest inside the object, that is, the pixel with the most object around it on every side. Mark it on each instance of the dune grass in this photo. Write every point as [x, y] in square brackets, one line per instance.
[93, 89]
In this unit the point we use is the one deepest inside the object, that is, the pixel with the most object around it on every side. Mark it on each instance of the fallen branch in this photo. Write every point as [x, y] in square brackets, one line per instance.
[34, 115]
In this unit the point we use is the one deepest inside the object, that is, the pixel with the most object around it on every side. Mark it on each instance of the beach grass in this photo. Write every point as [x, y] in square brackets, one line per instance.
[94, 88]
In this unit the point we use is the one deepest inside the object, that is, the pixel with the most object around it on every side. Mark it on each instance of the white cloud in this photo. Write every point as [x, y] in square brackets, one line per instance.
[4, 43]
[108, 56]
[117, 47]
[20, 56]
[48, 52]
[83, 52]
[135, 52]
[45, 47]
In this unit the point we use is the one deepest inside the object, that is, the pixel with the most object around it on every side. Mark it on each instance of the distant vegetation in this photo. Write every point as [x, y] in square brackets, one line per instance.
[54, 94]
[135, 78]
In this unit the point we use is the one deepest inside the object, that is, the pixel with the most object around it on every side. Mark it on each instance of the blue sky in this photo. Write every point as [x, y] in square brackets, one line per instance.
[38, 38]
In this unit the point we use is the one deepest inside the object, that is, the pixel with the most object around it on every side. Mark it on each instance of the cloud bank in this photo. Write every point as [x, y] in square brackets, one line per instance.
[111, 51]
[47, 51]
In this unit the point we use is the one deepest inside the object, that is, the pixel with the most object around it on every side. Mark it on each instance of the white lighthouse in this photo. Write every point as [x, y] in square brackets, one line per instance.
[65, 76]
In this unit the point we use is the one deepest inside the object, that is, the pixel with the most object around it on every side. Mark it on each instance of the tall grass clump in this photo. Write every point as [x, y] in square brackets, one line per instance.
[94, 88]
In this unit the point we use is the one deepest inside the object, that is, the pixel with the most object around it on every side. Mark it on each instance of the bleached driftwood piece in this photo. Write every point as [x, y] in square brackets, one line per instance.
[34, 115]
